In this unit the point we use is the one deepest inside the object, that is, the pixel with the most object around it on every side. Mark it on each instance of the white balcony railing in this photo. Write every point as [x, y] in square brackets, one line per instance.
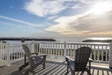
[100, 52]
[14, 52]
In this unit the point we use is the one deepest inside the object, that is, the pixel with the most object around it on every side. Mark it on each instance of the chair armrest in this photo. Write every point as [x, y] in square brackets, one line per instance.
[69, 61]
[35, 53]
[68, 58]
[42, 55]
[38, 56]
[31, 54]
[90, 60]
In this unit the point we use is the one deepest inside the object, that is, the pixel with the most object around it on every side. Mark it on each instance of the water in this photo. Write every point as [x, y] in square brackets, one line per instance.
[69, 39]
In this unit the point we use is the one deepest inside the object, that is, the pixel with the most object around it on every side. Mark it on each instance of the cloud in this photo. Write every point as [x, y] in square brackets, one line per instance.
[78, 25]
[87, 1]
[11, 6]
[10, 29]
[44, 8]
[52, 17]
[20, 21]
[76, 6]
[84, 25]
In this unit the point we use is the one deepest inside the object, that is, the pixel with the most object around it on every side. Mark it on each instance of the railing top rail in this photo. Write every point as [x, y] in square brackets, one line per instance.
[73, 43]
[67, 43]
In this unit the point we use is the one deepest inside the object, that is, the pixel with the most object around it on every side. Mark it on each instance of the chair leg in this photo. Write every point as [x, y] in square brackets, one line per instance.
[43, 65]
[73, 72]
[27, 72]
[82, 72]
[67, 68]
[44, 60]
[23, 66]
[88, 71]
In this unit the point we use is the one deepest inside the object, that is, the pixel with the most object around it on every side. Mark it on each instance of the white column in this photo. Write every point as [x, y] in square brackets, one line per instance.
[64, 48]
[8, 55]
[110, 55]
[32, 47]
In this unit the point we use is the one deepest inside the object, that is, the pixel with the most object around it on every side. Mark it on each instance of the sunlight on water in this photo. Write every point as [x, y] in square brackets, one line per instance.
[99, 38]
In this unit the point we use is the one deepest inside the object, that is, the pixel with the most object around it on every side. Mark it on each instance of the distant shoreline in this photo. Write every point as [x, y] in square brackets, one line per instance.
[102, 41]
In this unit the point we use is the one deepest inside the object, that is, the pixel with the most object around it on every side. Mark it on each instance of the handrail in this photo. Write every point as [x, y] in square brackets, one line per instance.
[15, 51]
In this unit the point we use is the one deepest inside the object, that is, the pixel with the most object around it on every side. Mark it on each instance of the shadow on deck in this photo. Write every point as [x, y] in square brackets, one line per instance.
[54, 68]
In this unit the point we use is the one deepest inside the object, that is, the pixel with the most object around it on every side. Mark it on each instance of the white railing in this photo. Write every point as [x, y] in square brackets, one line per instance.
[100, 51]
[3, 51]
[11, 53]
[14, 52]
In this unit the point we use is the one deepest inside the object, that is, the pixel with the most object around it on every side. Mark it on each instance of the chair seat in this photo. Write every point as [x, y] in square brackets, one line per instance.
[38, 59]
[77, 68]
[71, 64]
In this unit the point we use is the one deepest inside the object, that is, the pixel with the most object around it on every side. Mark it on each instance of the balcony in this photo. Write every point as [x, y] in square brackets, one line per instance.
[12, 55]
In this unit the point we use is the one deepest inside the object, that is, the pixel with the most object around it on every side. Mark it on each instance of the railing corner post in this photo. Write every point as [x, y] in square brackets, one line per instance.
[8, 55]
[32, 47]
[64, 48]
[110, 56]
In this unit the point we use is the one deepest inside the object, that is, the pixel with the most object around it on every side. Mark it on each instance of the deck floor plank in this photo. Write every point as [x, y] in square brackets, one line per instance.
[54, 68]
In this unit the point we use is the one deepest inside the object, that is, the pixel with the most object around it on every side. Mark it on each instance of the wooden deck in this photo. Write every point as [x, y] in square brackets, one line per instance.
[54, 68]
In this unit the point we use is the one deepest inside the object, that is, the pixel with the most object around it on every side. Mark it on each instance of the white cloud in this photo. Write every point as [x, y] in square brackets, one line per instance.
[43, 8]
[52, 17]
[20, 21]
[10, 29]
[16, 26]
[77, 6]
[11, 6]
[84, 25]
[81, 25]
[86, 1]
[62, 26]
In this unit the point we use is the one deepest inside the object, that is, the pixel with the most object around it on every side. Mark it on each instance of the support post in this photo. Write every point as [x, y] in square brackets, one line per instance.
[110, 56]
[38, 47]
[32, 47]
[8, 54]
[64, 48]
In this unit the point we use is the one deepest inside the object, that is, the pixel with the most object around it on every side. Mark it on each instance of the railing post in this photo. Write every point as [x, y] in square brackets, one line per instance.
[38, 47]
[35, 47]
[110, 56]
[8, 54]
[32, 47]
[64, 48]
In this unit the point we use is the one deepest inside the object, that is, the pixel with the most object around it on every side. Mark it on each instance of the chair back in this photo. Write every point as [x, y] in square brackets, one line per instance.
[28, 54]
[82, 57]
[27, 51]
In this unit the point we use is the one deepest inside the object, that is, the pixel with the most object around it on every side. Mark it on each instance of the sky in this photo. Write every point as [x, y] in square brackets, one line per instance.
[55, 18]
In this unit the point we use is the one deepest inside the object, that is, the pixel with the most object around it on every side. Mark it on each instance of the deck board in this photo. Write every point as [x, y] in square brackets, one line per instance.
[54, 68]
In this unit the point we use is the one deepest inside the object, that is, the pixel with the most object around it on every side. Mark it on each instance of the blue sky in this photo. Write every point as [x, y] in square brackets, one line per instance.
[55, 18]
